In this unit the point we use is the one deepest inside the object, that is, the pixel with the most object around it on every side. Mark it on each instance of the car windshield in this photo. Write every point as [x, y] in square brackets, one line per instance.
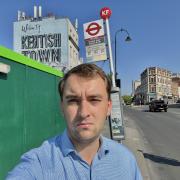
[159, 101]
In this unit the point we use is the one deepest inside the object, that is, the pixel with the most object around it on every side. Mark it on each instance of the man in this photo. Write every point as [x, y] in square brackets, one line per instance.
[81, 152]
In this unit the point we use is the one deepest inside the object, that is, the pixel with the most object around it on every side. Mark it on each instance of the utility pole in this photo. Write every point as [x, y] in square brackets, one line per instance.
[116, 118]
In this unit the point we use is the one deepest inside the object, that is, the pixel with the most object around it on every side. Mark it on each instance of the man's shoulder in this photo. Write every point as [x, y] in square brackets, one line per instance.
[45, 150]
[35, 162]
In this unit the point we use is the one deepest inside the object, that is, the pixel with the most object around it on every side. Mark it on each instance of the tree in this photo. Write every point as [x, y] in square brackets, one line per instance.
[127, 99]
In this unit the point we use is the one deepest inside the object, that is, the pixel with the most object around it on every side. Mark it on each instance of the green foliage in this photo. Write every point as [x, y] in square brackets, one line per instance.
[127, 99]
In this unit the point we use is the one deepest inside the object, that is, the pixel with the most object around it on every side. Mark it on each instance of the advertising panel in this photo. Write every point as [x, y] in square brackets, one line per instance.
[95, 41]
[116, 118]
[44, 41]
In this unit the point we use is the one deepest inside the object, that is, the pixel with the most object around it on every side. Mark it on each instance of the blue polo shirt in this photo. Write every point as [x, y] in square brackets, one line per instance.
[57, 159]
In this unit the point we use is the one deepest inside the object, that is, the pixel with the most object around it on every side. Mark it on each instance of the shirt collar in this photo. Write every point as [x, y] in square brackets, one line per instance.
[104, 148]
[66, 144]
[67, 147]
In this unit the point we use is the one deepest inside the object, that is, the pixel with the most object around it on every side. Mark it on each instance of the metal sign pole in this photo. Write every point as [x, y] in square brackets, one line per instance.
[116, 118]
[110, 53]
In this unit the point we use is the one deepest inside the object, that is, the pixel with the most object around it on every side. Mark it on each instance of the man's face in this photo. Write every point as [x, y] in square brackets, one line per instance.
[85, 106]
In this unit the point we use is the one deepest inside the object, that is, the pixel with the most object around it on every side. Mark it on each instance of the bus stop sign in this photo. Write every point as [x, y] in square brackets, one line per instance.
[105, 13]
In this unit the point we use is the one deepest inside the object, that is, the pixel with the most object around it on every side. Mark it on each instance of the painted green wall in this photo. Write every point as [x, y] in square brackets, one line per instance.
[29, 109]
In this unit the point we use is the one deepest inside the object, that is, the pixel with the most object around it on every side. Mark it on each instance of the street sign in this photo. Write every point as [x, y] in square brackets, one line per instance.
[105, 13]
[95, 41]
[93, 29]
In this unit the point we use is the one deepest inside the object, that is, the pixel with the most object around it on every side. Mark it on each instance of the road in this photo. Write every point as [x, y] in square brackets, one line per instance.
[160, 132]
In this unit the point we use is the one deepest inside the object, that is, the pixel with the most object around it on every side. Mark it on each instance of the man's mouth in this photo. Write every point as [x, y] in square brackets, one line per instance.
[84, 125]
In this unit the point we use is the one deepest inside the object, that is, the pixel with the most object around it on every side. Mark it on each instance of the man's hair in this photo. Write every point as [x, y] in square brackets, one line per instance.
[85, 71]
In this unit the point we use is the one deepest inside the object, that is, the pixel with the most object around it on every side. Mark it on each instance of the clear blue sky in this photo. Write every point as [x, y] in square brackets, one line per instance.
[153, 25]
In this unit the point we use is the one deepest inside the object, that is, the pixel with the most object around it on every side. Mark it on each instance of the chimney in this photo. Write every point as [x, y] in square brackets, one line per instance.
[40, 11]
[23, 15]
[35, 11]
[76, 24]
[19, 15]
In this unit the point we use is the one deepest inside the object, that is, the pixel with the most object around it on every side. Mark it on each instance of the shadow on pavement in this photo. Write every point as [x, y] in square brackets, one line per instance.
[145, 110]
[174, 105]
[152, 112]
[161, 159]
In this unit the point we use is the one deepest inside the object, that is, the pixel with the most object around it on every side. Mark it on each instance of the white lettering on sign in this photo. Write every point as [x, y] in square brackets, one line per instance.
[105, 12]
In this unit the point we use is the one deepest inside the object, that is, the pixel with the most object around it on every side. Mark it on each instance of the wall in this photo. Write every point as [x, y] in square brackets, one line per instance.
[29, 107]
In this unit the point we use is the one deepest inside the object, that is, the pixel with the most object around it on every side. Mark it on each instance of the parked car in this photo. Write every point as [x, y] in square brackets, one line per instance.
[178, 101]
[158, 105]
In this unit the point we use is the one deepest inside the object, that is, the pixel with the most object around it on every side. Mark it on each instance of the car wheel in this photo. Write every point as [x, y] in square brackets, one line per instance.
[165, 110]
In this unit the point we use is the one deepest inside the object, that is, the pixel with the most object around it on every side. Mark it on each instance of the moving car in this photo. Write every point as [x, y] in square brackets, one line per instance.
[158, 105]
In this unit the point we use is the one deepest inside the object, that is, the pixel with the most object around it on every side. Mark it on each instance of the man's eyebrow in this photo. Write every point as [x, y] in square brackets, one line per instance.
[95, 96]
[71, 96]
[77, 97]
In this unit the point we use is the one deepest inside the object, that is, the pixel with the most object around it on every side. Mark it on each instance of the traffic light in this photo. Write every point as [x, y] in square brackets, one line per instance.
[118, 83]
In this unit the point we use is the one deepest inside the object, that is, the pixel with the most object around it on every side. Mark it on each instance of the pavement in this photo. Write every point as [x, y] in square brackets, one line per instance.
[134, 142]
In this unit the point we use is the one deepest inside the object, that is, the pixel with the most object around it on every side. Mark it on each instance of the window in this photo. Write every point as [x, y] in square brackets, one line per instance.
[152, 79]
[71, 51]
[152, 88]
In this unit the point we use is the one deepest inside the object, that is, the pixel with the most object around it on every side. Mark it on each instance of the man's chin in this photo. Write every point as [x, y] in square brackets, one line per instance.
[87, 138]
[84, 136]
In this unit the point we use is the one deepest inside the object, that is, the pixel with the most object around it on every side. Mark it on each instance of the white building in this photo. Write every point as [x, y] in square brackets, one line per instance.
[50, 40]
[135, 84]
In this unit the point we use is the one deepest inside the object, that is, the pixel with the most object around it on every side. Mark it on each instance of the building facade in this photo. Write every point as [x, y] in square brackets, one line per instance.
[136, 94]
[176, 87]
[50, 40]
[156, 83]
[135, 84]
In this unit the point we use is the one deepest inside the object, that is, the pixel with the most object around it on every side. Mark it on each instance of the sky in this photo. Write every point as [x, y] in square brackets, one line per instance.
[154, 27]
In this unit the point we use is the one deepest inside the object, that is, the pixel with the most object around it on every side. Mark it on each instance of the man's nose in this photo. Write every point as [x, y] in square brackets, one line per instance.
[84, 109]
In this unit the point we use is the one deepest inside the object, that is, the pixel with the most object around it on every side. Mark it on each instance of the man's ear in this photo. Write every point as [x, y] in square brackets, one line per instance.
[61, 106]
[109, 107]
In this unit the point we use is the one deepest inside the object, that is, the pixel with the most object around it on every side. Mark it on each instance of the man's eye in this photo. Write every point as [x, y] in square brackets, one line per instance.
[73, 101]
[95, 100]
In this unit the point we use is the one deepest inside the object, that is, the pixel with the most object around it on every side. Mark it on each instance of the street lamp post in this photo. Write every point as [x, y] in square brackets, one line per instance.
[128, 38]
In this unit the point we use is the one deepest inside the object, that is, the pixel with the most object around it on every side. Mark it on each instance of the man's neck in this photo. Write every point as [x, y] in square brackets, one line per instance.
[88, 150]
